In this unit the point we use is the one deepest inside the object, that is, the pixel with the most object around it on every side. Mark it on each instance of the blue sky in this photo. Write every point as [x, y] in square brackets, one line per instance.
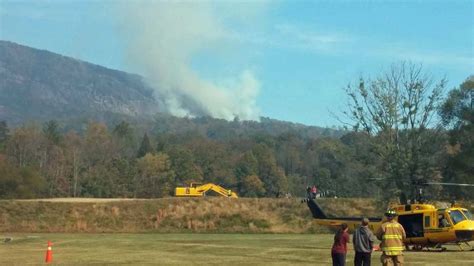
[290, 59]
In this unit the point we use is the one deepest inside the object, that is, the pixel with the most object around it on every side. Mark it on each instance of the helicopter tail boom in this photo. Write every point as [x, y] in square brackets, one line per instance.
[316, 211]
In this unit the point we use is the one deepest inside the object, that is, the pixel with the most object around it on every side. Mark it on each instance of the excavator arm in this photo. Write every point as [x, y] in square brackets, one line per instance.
[199, 191]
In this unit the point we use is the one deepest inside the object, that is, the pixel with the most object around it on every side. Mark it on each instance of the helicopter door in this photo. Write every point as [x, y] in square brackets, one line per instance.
[413, 224]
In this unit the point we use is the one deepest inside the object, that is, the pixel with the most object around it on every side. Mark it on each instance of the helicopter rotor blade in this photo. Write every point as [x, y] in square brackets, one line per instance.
[449, 184]
[377, 179]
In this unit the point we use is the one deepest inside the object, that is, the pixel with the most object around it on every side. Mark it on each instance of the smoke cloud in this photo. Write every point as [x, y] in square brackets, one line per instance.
[163, 38]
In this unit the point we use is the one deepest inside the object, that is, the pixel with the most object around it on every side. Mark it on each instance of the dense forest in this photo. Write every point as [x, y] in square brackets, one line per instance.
[430, 138]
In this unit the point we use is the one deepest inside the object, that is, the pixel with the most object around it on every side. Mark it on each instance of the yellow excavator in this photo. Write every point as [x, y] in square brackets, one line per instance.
[199, 190]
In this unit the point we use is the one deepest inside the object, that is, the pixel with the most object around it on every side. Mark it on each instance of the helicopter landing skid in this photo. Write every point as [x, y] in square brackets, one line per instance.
[438, 248]
[467, 244]
[460, 246]
[417, 248]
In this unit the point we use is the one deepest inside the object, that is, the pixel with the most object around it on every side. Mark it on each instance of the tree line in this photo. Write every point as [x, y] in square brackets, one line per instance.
[402, 130]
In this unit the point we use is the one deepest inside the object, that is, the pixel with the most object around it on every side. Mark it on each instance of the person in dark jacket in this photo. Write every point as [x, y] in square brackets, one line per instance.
[339, 248]
[314, 191]
[363, 241]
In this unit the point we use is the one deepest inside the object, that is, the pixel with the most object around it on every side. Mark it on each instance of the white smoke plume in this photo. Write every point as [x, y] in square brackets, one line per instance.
[162, 39]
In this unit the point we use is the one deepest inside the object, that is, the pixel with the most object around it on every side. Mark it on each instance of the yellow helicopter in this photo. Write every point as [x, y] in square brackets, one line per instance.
[425, 225]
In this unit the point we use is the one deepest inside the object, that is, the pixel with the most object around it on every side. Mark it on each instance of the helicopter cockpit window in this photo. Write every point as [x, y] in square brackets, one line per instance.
[456, 216]
[468, 214]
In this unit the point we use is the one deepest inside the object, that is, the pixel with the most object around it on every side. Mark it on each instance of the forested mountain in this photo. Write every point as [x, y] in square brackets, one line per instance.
[70, 128]
[37, 85]
[40, 85]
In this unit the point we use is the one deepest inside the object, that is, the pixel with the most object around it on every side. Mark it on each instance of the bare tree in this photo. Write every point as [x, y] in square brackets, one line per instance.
[397, 109]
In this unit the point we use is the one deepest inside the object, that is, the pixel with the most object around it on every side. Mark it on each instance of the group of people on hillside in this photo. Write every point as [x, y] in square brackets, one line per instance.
[391, 234]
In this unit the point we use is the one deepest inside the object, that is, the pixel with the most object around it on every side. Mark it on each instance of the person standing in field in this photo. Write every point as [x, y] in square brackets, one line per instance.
[308, 192]
[392, 234]
[363, 241]
[339, 248]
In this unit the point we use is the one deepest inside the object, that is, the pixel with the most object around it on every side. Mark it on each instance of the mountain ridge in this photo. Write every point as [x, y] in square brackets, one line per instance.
[39, 85]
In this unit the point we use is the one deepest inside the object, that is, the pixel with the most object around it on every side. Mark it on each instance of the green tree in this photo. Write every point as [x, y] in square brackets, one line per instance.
[125, 174]
[145, 147]
[252, 186]
[98, 181]
[215, 161]
[155, 177]
[8, 179]
[125, 139]
[331, 168]
[183, 164]
[247, 165]
[24, 182]
[52, 160]
[51, 132]
[98, 144]
[363, 164]
[53, 170]
[99, 151]
[75, 161]
[3, 134]
[457, 110]
[269, 172]
[297, 185]
[24, 146]
[458, 115]
[288, 153]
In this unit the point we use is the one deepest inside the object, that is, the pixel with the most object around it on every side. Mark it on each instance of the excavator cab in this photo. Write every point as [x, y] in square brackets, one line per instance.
[195, 185]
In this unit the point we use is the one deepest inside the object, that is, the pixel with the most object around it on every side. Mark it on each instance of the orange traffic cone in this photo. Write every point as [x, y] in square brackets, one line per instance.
[49, 253]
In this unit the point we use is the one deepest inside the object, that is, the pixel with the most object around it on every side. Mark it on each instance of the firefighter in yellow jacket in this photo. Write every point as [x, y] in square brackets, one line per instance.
[392, 234]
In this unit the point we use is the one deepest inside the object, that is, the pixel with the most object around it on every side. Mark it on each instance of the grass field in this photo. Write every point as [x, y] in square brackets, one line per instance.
[186, 249]
[173, 215]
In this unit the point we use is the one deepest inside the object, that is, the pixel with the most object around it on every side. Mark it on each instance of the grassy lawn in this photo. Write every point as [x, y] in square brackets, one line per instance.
[185, 249]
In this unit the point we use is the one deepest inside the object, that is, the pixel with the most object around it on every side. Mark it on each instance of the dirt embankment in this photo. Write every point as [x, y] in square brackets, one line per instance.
[211, 214]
